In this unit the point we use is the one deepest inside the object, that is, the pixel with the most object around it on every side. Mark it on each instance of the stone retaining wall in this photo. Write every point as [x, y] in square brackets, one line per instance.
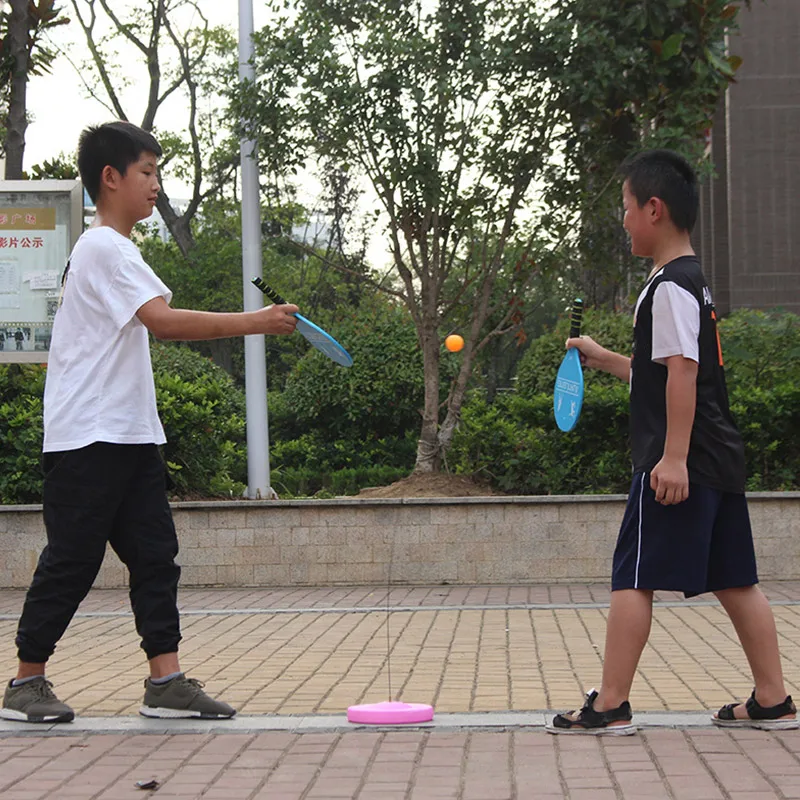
[496, 540]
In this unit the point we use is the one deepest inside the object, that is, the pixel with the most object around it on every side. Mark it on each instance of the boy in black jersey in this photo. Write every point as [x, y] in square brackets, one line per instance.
[686, 526]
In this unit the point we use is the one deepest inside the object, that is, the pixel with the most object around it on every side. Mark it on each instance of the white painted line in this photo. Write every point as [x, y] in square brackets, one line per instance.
[500, 720]
[231, 612]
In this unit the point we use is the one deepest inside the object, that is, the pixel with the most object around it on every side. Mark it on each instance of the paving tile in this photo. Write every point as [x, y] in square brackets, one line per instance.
[312, 652]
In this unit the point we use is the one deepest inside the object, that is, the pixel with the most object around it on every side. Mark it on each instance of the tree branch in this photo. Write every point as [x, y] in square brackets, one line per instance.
[88, 30]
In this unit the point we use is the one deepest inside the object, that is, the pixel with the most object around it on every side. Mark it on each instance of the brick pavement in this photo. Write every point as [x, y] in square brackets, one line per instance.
[460, 649]
[405, 765]
[465, 649]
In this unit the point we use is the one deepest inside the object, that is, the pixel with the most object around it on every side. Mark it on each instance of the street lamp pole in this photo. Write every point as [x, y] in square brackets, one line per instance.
[255, 365]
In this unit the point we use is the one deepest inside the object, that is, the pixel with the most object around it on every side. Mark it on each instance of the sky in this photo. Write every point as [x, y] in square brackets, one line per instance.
[60, 107]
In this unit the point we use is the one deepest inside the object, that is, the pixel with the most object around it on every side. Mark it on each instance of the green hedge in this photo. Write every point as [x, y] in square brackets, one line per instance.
[291, 482]
[200, 406]
[334, 430]
[515, 443]
[21, 389]
[203, 414]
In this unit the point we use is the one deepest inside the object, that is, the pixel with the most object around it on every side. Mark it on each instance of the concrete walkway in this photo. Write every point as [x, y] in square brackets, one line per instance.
[494, 662]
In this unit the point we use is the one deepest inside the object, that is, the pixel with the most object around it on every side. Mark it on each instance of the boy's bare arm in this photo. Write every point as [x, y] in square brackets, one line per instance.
[180, 324]
[670, 477]
[597, 357]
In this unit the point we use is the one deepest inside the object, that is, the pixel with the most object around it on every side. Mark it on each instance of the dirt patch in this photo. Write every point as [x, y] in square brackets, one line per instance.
[439, 484]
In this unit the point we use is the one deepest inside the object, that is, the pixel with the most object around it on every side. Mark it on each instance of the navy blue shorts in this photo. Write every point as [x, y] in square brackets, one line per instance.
[703, 544]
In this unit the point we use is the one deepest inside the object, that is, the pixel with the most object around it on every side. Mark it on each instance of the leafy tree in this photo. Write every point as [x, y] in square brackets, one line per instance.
[489, 133]
[179, 56]
[62, 167]
[210, 278]
[635, 75]
[445, 109]
[22, 53]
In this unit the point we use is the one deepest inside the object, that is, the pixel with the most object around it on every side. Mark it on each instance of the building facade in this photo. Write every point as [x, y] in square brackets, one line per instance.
[748, 232]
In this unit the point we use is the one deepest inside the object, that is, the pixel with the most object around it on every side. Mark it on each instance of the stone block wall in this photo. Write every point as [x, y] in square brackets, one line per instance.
[472, 540]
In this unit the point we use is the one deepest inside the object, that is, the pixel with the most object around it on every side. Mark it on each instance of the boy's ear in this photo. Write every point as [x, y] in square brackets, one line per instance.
[657, 209]
[109, 178]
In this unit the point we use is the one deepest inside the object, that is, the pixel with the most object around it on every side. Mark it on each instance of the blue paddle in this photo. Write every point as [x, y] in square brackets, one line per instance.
[568, 394]
[323, 341]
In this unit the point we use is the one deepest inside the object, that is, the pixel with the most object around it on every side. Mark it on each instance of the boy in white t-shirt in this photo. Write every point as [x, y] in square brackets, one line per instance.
[105, 480]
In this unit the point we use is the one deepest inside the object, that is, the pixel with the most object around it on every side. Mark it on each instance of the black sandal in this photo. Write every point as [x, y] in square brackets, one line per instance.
[594, 723]
[765, 719]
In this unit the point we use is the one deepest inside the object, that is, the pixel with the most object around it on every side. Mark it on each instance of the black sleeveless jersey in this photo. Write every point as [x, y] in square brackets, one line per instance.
[716, 450]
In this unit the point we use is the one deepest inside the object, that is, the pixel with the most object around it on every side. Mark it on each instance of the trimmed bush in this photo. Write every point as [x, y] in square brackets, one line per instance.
[203, 413]
[200, 406]
[516, 444]
[21, 390]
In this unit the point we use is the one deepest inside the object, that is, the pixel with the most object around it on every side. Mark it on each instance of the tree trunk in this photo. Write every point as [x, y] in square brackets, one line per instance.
[454, 403]
[18, 29]
[178, 226]
[428, 455]
[221, 351]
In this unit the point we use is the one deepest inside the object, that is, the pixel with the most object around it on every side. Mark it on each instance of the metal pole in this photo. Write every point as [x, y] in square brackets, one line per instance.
[255, 366]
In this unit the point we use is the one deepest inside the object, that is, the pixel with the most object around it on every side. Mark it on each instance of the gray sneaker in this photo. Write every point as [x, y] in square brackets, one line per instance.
[34, 701]
[180, 698]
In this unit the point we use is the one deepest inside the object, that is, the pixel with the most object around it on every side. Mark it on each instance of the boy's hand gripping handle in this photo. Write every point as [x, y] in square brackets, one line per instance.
[575, 319]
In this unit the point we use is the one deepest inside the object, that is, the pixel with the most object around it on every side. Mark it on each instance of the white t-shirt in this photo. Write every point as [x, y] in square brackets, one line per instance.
[676, 321]
[99, 385]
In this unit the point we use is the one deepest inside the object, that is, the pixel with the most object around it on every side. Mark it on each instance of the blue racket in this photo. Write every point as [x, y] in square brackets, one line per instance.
[568, 394]
[322, 340]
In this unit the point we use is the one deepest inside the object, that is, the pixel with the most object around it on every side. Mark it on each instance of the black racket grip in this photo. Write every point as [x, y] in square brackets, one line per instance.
[268, 291]
[575, 318]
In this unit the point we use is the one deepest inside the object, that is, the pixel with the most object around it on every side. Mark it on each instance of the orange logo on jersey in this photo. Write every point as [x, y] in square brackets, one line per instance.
[719, 343]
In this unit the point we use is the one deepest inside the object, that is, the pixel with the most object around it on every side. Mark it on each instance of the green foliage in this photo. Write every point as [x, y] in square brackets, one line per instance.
[769, 419]
[762, 367]
[760, 348]
[21, 389]
[312, 451]
[203, 414]
[201, 409]
[514, 441]
[632, 75]
[538, 367]
[292, 482]
[337, 430]
[379, 396]
[62, 167]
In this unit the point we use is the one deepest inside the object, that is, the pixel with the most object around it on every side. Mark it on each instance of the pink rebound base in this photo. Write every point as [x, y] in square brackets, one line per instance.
[390, 713]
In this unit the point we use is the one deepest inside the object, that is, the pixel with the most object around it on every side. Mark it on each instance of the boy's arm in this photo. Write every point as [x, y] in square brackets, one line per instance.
[670, 477]
[180, 324]
[597, 357]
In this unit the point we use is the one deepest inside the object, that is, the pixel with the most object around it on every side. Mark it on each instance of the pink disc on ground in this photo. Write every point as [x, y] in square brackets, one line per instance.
[390, 713]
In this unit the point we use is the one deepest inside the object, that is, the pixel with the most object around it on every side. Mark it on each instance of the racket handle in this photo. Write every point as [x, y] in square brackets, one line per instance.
[268, 291]
[575, 318]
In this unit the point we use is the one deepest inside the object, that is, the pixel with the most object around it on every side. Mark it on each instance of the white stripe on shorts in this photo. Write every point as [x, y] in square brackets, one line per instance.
[639, 544]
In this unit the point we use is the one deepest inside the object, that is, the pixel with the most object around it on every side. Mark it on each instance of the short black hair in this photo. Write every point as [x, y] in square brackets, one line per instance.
[668, 176]
[116, 144]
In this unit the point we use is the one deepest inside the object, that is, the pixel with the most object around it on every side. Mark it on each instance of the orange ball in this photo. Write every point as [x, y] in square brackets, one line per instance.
[454, 342]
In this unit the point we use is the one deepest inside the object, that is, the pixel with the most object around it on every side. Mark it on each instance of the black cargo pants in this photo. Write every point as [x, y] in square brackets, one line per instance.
[104, 493]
